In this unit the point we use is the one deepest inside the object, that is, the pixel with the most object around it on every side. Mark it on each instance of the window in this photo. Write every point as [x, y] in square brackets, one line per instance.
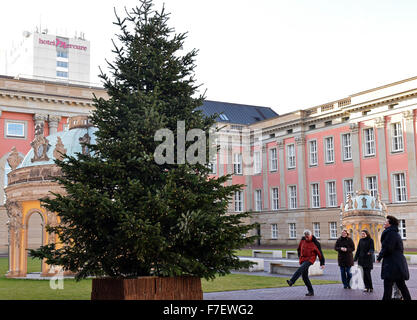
[348, 188]
[401, 229]
[372, 185]
[223, 117]
[62, 54]
[313, 152]
[400, 189]
[238, 201]
[292, 196]
[273, 159]
[397, 137]
[258, 200]
[329, 149]
[257, 162]
[237, 163]
[316, 229]
[213, 165]
[292, 230]
[275, 199]
[331, 194]
[290, 156]
[369, 138]
[62, 74]
[15, 129]
[62, 64]
[347, 146]
[315, 195]
[333, 230]
[274, 231]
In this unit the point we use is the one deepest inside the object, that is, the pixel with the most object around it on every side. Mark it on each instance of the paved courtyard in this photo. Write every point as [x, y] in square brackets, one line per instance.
[321, 292]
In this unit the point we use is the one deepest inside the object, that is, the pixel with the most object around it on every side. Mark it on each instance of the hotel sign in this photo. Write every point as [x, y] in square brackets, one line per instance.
[62, 44]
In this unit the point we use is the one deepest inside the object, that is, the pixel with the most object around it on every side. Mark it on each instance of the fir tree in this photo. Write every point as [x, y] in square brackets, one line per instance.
[123, 214]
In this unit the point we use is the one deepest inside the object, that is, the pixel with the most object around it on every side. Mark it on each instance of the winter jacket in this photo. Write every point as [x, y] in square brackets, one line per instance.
[394, 264]
[318, 245]
[365, 252]
[308, 251]
[345, 258]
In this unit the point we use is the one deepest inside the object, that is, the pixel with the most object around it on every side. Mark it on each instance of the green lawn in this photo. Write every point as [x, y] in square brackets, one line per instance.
[21, 289]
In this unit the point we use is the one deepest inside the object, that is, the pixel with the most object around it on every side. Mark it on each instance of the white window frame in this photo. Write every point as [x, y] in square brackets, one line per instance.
[238, 201]
[292, 230]
[291, 161]
[292, 197]
[273, 156]
[329, 149]
[371, 183]
[347, 188]
[331, 193]
[257, 162]
[275, 198]
[313, 154]
[333, 230]
[315, 195]
[316, 229]
[258, 200]
[397, 144]
[237, 163]
[274, 231]
[369, 142]
[402, 229]
[346, 146]
[399, 187]
[8, 135]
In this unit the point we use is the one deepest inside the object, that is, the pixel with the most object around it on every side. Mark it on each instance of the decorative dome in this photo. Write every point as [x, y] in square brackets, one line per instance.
[362, 203]
[68, 142]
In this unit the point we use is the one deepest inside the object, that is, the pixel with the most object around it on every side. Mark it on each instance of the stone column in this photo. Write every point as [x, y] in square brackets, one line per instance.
[281, 166]
[356, 156]
[15, 225]
[39, 123]
[411, 152]
[300, 142]
[53, 123]
[380, 124]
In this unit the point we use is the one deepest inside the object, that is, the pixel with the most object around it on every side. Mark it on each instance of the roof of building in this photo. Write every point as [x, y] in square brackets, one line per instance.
[237, 113]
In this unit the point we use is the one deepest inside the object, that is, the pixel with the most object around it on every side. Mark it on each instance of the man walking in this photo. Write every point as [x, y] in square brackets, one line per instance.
[394, 265]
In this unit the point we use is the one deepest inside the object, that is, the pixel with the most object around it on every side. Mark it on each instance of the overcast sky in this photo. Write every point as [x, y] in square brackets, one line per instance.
[284, 54]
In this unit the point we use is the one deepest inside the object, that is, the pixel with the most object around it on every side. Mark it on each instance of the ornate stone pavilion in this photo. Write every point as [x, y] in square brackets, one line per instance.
[363, 211]
[31, 179]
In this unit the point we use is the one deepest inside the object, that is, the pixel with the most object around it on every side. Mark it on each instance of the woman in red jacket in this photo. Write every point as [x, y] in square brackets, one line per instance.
[307, 252]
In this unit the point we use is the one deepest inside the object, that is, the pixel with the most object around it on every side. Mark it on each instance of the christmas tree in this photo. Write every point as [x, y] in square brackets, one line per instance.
[125, 214]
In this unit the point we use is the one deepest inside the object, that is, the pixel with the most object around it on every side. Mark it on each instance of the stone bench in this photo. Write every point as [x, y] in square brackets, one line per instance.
[258, 266]
[292, 255]
[288, 267]
[276, 254]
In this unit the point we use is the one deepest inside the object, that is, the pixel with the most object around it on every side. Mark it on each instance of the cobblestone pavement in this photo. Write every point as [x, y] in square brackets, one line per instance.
[321, 292]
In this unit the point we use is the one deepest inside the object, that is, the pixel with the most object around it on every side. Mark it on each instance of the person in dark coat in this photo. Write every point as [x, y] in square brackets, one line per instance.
[344, 247]
[365, 257]
[394, 265]
[307, 252]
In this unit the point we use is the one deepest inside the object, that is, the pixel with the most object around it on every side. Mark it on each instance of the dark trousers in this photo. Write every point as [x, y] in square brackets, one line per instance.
[346, 276]
[367, 278]
[303, 271]
[401, 286]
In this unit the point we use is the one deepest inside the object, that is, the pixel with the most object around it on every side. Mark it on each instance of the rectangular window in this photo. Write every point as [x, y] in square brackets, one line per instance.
[333, 230]
[62, 64]
[273, 159]
[237, 163]
[275, 199]
[397, 137]
[62, 74]
[369, 138]
[292, 230]
[348, 188]
[15, 129]
[347, 146]
[258, 200]
[292, 196]
[329, 149]
[257, 162]
[213, 165]
[315, 195]
[372, 185]
[401, 229]
[274, 231]
[400, 188]
[238, 201]
[331, 194]
[62, 54]
[291, 156]
[313, 152]
[316, 229]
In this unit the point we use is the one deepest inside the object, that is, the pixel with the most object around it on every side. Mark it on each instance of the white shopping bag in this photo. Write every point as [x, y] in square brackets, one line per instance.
[356, 282]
